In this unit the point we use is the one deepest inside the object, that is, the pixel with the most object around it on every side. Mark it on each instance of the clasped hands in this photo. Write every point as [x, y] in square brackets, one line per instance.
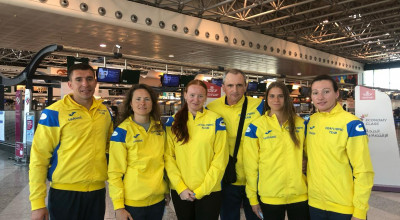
[187, 195]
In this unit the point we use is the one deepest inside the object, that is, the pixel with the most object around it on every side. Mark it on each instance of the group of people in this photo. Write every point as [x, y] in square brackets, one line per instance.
[316, 169]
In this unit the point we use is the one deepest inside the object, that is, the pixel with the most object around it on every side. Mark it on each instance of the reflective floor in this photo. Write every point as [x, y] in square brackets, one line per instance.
[14, 193]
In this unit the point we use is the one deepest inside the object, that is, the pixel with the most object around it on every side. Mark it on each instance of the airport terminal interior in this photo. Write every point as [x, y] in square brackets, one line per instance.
[167, 43]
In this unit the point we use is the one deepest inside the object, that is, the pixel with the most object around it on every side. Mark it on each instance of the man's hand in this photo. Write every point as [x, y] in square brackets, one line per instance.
[257, 210]
[40, 214]
[354, 218]
[122, 214]
[187, 195]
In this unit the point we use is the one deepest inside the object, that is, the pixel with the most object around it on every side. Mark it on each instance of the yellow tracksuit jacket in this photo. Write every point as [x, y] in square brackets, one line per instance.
[69, 148]
[231, 116]
[136, 167]
[199, 164]
[339, 173]
[273, 164]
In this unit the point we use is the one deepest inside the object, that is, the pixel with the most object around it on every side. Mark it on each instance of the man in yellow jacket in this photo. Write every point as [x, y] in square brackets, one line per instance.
[69, 148]
[230, 107]
[340, 175]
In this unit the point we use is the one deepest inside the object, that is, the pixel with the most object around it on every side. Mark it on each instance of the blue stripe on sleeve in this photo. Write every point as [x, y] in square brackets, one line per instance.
[119, 135]
[220, 125]
[169, 121]
[260, 107]
[53, 163]
[356, 128]
[251, 131]
[49, 118]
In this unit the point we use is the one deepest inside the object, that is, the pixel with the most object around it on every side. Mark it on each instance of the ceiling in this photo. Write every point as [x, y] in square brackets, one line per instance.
[365, 31]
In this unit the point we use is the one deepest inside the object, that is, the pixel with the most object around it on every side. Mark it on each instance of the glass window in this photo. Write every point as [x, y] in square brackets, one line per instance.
[395, 78]
[381, 78]
[368, 78]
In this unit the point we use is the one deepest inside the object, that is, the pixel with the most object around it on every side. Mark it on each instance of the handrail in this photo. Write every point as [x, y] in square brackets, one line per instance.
[29, 71]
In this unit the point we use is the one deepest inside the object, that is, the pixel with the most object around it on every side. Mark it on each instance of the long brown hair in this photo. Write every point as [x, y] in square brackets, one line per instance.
[179, 127]
[127, 110]
[288, 109]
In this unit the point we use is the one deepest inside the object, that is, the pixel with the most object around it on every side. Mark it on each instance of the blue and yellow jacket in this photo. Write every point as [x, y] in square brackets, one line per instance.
[199, 164]
[69, 148]
[273, 163]
[231, 116]
[136, 167]
[339, 173]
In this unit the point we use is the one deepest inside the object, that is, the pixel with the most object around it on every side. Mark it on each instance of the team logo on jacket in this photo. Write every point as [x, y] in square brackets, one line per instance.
[115, 133]
[102, 111]
[359, 128]
[269, 135]
[248, 129]
[74, 118]
[135, 136]
[72, 114]
[43, 116]
[222, 123]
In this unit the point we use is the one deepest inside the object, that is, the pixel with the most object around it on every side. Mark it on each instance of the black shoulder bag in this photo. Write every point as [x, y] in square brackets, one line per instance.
[230, 171]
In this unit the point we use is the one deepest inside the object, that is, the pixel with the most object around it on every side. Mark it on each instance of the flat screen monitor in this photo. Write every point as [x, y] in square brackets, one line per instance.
[170, 80]
[108, 75]
[290, 88]
[305, 91]
[252, 86]
[130, 76]
[185, 79]
[262, 87]
[217, 82]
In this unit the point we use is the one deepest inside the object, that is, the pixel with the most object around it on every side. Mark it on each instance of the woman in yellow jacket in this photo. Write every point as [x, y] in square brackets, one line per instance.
[273, 148]
[339, 173]
[196, 156]
[136, 168]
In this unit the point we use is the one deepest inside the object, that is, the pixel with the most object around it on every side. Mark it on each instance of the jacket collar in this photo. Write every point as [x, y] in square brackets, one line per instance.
[239, 103]
[71, 104]
[198, 114]
[337, 109]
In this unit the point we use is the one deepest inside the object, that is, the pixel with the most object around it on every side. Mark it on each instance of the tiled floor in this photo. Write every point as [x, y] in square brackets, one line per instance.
[14, 193]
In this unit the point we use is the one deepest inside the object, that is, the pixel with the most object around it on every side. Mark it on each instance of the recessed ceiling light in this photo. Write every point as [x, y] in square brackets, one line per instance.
[171, 55]
[103, 45]
[299, 74]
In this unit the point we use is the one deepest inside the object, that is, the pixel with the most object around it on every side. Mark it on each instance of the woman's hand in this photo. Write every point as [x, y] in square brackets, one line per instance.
[187, 195]
[257, 210]
[167, 199]
[122, 214]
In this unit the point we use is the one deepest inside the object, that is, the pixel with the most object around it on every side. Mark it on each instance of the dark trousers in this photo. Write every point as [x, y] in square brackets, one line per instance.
[295, 211]
[232, 199]
[318, 214]
[153, 212]
[64, 204]
[206, 208]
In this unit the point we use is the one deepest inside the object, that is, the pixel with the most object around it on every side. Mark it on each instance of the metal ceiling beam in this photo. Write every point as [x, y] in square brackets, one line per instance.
[255, 4]
[279, 9]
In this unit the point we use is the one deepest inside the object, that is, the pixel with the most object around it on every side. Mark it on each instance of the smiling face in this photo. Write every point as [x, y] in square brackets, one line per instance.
[323, 95]
[141, 103]
[195, 98]
[83, 85]
[275, 99]
[234, 86]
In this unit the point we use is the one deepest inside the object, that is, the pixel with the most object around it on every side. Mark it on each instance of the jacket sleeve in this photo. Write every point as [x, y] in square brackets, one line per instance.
[117, 167]
[110, 132]
[251, 153]
[218, 164]
[44, 149]
[173, 172]
[358, 153]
